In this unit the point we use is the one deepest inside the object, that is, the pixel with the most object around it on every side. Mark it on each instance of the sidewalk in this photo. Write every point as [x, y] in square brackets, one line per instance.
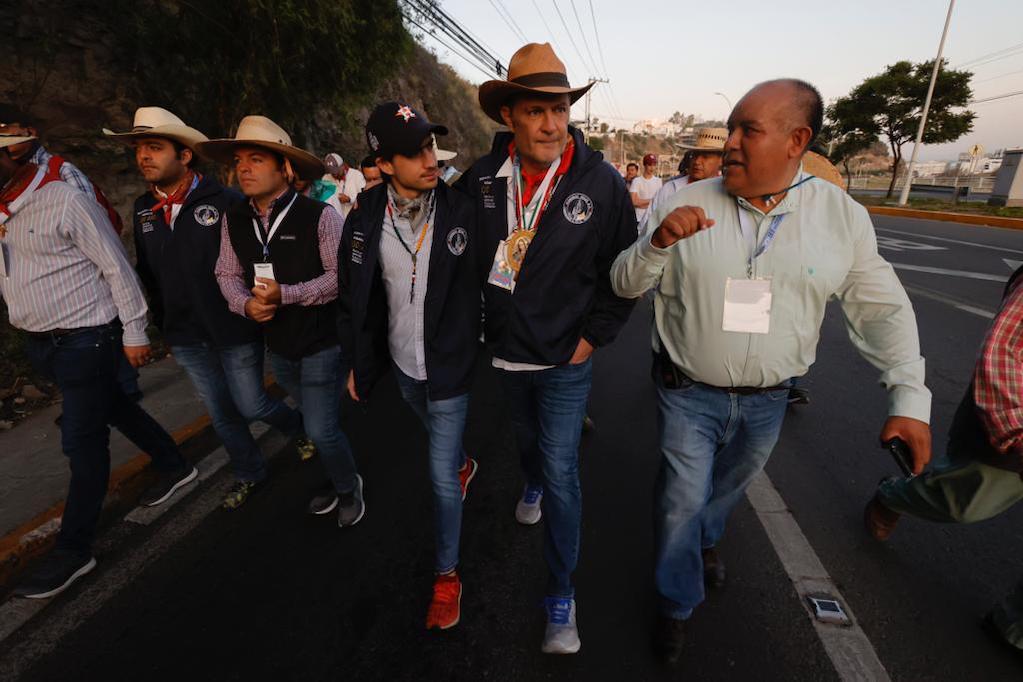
[34, 472]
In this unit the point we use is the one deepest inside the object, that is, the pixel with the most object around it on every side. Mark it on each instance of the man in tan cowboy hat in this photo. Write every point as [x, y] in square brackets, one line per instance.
[177, 241]
[704, 162]
[67, 283]
[551, 217]
[278, 266]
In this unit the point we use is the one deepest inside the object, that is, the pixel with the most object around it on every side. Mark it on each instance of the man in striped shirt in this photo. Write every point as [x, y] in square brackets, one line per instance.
[981, 474]
[67, 282]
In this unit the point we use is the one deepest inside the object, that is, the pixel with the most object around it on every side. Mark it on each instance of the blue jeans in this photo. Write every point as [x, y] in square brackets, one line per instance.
[547, 410]
[84, 364]
[444, 421]
[230, 383]
[713, 444]
[315, 382]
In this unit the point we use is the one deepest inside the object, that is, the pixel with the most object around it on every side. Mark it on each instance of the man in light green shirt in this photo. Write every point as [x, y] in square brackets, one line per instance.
[743, 267]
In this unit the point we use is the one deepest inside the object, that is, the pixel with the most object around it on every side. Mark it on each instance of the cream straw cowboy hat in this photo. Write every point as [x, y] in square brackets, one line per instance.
[708, 140]
[259, 131]
[157, 122]
[11, 140]
[533, 69]
[818, 165]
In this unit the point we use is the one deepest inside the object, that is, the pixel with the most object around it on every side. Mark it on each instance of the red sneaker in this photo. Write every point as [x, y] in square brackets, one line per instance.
[445, 609]
[466, 474]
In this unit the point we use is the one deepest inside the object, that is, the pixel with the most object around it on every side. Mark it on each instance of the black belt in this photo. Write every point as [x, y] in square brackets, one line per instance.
[57, 333]
[673, 377]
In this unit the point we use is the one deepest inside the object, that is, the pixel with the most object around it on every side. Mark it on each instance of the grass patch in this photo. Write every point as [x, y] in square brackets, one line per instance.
[929, 204]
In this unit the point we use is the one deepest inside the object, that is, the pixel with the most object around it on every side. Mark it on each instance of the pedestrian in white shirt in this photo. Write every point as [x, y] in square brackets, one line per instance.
[744, 267]
[645, 187]
[704, 162]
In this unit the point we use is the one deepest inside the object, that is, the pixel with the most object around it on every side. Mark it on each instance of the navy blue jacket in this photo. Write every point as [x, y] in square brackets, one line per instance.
[176, 268]
[452, 306]
[563, 292]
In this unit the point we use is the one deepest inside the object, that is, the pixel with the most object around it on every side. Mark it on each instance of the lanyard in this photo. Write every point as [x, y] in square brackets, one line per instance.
[750, 234]
[419, 242]
[273, 229]
[539, 204]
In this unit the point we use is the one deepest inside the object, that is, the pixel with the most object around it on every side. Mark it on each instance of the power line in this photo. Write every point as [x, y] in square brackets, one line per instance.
[469, 60]
[510, 24]
[983, 57]
[586, 43]
[570, 38]
[548, 27]
[994, 97]
[478, 55]
[994, 78]
[600, 47]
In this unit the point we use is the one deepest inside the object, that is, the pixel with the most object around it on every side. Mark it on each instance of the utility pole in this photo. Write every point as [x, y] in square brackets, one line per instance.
[586, 133]
[904, 197]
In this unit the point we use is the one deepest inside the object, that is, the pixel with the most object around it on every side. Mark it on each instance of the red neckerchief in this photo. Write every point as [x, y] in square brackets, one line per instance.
[166, 203]
[532, 182]
[18, 184]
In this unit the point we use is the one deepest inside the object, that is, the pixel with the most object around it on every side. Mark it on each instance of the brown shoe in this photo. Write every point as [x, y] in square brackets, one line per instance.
[713, 569]
[879, 520]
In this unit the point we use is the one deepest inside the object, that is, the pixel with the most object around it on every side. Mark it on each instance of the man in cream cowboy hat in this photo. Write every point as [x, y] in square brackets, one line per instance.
[705, 162]
[551, 217]
[177, 241]
[278, 266]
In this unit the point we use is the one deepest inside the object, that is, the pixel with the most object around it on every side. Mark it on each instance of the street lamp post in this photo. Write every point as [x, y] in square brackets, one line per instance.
[727, 101]
[904, 196]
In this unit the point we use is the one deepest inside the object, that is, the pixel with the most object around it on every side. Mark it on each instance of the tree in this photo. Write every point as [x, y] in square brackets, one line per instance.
[840, 144]
[889, 105]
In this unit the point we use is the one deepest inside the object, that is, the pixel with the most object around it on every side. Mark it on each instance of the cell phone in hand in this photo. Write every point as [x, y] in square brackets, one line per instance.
[900, 453]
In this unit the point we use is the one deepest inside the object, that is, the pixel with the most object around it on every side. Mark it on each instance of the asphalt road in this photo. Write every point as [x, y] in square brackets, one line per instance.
[267, 592]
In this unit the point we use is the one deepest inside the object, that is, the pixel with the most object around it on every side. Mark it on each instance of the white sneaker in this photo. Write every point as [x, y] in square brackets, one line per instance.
[561, 636]
[527, 511]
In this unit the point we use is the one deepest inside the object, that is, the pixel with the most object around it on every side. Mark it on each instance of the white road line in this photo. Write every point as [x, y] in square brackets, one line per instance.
[952, 273]
[850, 651]
[947, 239]
[935, 296]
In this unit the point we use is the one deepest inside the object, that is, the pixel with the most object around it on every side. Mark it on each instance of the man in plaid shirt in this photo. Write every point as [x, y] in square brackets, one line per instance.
[981, 474]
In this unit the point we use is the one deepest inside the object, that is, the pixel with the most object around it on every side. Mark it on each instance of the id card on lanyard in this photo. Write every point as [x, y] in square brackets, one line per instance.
[265, 269]
[747, 306]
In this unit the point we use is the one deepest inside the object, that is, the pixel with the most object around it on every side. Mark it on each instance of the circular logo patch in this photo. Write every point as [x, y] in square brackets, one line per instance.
[458, 239]
[577, 208]
[206, 215]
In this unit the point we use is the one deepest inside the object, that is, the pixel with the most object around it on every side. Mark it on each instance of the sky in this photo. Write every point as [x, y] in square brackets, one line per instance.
[674, 55]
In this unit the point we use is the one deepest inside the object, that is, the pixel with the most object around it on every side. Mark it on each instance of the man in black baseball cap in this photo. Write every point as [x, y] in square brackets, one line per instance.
[410, 300]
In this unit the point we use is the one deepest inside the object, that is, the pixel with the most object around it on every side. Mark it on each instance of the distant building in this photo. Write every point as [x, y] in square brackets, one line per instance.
[929, 169]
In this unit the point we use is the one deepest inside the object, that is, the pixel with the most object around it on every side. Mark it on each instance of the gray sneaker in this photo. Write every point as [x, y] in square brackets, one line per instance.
[353, 508]
[527, 511]
[561, 636]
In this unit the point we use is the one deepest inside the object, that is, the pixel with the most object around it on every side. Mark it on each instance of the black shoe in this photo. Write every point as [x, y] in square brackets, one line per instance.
[167, 482]
[669, 639]
[352, 506]
[713, 569]
[324, 502]
[55, 574]
[799, 396]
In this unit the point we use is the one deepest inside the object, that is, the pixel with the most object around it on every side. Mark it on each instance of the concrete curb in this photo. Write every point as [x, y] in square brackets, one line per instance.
[946, 216]
[37, 535]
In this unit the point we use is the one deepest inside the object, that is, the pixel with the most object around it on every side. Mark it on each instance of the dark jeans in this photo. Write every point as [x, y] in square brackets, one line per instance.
[230, 383]
[84, 364]
[547, 410]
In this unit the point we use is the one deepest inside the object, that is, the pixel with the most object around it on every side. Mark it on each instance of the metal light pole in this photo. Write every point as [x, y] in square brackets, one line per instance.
[728, 101]
[588, 92]
[904, 197]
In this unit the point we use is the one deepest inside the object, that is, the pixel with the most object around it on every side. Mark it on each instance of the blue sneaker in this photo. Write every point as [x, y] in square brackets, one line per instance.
[527, 511]
[561, 636]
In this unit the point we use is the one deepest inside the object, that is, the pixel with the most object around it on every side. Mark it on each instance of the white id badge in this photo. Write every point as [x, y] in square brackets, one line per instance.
[501, 274]
[264, 270]
[747, 306]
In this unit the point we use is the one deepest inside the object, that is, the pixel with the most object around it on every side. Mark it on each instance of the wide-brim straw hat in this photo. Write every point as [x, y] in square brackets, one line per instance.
[259, 131]
[11, 140]
[708, 140]
[815, 164]
[158, 122]
[534, 68]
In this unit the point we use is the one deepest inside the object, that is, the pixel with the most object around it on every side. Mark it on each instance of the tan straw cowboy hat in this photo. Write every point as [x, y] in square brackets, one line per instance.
[157, 122]
[708, 140]
[259, 131]
[533, 69]
[818, 165]
[11, 140]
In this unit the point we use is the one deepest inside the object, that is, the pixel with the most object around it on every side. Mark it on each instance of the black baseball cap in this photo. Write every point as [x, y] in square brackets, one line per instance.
[396, 128]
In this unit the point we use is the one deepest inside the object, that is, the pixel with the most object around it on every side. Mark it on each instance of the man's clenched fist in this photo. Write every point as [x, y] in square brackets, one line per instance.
[683, 222]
